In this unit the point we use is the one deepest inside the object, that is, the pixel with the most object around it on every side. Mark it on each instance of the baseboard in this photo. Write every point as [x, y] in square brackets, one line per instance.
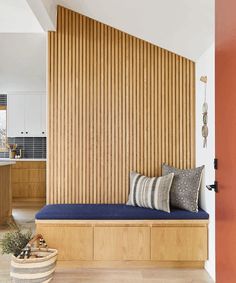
[130, 264]
[29, 202]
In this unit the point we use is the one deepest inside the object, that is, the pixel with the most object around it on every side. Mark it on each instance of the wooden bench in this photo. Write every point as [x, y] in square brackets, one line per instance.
[119, 243]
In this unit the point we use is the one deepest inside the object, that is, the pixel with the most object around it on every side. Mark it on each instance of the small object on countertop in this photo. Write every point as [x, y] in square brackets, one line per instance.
[12, 154]
[12, 150]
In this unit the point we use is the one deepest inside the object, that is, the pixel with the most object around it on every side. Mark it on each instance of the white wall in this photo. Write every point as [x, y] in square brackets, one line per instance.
[23, 62]
[205, 66]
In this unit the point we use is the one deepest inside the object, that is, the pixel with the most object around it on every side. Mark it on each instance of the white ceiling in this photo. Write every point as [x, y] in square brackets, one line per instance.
[185, 27]
[16, 16]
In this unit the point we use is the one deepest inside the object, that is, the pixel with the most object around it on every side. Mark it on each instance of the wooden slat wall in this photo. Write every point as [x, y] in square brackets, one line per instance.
[116, 104]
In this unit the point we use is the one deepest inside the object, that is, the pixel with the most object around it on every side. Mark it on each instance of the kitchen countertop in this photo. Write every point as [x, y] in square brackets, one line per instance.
[21, 159]
[7, 163]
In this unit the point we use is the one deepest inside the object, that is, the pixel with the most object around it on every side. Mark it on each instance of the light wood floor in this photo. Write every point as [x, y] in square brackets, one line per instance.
[25, 218]
[161, 275]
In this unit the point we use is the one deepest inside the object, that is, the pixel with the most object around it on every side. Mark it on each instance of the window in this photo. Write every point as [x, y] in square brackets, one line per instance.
[3, 128]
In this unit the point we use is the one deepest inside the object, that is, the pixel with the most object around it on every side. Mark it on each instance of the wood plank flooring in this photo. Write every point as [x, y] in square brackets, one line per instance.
[25, 218]
[160, 275]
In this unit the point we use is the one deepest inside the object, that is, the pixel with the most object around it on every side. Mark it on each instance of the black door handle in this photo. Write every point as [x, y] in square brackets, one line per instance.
[213, 187]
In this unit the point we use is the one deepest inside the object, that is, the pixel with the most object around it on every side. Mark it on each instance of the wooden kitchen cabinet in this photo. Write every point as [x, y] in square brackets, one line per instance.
[5, 193]
[28, 180]
[26, 115]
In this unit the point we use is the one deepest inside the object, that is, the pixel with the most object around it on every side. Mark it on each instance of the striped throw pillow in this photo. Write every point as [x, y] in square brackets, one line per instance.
[150, 192]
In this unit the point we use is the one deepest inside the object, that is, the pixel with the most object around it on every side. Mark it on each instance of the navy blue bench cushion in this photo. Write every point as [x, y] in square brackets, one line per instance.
[113, 212]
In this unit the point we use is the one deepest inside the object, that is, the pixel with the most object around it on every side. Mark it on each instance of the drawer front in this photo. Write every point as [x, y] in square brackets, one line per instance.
[29, 190]
[121, 243]
[28, 183]
[28, 176]
[29, 165]
[179, 243]
[72, 243]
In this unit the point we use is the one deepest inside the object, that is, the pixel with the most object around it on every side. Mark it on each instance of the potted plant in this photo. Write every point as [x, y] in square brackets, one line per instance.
[13, 242]
[31, 258]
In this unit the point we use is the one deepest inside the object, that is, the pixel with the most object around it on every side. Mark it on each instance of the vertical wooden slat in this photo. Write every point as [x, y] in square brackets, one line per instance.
[101, 128]
[192, 112]
[79, 37]
[152, 114]
[56, 116]
[50, 176]
[163, 113]
[95, 77]
[73, 109]
[63, 98]
[84, 112]
[184, 111]
[127, 108]
[159, 99]
[188, 118]
[144, 115]
[167, 129]
[59, 95]
[76, 107]
[170, 98]
[174, 108]
[181, 112]
[116, 104]
[70, 101]
[104, 123]
[124, 175]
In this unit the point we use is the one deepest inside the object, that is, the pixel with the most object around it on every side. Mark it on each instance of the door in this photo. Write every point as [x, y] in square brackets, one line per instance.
[43, 115]
[15, 115]
[33, 115]
[226, 141]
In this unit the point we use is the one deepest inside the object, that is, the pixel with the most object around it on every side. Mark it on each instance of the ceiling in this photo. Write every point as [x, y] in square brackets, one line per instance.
[185, 27]
[17, 17]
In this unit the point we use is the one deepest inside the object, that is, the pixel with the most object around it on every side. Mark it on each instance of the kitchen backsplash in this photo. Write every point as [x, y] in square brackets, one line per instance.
[3, 100]
[32, 147]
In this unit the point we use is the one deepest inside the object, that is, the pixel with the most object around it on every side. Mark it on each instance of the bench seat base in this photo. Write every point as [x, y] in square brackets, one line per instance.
[143, 243]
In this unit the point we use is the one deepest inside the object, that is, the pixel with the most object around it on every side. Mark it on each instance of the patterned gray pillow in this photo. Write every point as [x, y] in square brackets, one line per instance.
[150, 192]
[185, 187]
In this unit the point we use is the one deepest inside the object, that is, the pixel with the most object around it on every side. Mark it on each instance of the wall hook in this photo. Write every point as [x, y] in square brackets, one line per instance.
[203, 79]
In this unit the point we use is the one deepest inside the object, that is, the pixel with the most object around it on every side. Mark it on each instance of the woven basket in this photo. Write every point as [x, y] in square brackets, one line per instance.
[37, 265]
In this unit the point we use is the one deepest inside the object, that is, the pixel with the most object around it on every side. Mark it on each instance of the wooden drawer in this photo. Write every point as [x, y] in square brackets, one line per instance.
[29, 165]
[29, 190]
[72, 243]
[28, 180]
[28, 176]
[121, 243]
[179, 243]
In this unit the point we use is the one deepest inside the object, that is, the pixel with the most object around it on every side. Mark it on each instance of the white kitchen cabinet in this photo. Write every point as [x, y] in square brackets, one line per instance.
[16, 115]
[33, 112]
[44, 115]
[26, 116]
